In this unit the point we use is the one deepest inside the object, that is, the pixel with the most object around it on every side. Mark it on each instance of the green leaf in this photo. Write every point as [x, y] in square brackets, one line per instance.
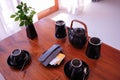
[19, 11]
[12, 16]
[22, 16]
[22, 23]
[26, 23]
[17, 18]
[24, 4]
[33, 12]
[16, 13]
[19, 7]
[21, 3]
[25, 9]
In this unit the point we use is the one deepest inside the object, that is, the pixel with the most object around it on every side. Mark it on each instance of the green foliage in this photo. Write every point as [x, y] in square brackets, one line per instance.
[24, 14]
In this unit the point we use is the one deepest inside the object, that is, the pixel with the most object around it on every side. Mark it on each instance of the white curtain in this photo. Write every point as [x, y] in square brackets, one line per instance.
[73, 6]
[7, 25]
[7, 7]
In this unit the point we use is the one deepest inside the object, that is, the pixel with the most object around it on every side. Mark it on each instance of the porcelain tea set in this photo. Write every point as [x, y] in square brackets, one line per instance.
[75, 69]
[77, 36]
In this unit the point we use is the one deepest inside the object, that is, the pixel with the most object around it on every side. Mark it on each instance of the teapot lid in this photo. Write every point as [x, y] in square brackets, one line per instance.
[79, 31]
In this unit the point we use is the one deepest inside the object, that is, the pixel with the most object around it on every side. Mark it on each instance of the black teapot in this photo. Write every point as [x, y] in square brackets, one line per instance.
[77, 36]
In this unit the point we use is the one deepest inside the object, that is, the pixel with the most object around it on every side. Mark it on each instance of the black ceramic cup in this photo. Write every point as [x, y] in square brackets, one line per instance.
[94, 48]
[60, 29]
[76, 69]
[18, 56]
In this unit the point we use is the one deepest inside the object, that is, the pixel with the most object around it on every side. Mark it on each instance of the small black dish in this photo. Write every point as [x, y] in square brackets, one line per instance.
[22, 65]
[68, 74]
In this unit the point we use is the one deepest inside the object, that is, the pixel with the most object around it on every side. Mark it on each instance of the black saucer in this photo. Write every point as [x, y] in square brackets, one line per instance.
[19, 66]
[66, 67]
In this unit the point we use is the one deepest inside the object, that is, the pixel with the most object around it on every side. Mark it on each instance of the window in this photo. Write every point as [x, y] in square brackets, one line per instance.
[43, 7]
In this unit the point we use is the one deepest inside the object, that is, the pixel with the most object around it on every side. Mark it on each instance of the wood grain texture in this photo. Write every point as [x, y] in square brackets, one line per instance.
[105, 68]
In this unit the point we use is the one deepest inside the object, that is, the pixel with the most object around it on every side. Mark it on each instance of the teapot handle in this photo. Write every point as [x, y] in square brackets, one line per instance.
[85, 26]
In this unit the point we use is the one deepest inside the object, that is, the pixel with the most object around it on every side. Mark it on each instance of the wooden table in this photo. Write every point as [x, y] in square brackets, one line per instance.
[107, 67]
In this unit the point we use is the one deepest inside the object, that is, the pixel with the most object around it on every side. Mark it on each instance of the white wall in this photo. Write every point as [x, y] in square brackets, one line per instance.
[102, 19]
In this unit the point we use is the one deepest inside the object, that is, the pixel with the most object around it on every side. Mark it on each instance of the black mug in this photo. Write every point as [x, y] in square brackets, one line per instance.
[60, 29]
[18, 56]
[76, 69]
[94, 48]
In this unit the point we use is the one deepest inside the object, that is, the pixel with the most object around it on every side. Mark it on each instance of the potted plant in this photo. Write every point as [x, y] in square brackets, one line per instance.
[24, 16]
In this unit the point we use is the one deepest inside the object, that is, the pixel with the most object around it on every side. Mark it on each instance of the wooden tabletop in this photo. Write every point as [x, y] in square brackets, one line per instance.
[107, 67]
